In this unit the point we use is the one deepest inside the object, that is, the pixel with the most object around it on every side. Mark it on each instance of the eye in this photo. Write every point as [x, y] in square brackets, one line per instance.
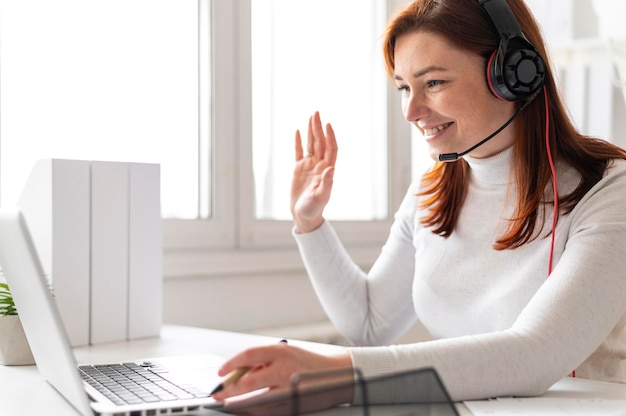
[434, 83]
[404, 89]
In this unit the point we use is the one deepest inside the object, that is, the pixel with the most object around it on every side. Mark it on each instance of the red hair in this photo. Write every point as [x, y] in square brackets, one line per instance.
[467, 25]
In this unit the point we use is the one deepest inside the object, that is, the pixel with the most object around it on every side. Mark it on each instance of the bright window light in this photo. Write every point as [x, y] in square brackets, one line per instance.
[319, 55]
[113, 80]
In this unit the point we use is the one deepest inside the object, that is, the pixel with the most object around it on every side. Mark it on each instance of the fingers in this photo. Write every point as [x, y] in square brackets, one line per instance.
[319, 138]
[310, 145]
[331, 146]
[261, 370]
[299, 153]
[252, 357]
[273, 367]
[321, 143]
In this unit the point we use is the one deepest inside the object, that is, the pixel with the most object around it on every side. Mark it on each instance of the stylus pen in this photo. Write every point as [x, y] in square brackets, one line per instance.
[233, 376]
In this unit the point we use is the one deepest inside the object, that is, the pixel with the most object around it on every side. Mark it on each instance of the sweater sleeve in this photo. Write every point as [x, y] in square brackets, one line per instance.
[367, 308]
[570, 323]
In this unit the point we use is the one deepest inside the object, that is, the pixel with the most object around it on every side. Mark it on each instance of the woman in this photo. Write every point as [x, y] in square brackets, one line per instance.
[471, 251]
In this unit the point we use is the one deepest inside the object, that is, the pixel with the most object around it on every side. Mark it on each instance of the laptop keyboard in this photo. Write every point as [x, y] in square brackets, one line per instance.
[131, 383]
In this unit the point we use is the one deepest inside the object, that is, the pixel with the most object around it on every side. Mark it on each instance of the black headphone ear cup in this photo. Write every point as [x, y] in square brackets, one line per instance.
[491, 76]
[516, 74]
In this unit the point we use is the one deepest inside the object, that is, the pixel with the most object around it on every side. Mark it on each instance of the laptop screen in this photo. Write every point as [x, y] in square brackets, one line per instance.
[37, 310]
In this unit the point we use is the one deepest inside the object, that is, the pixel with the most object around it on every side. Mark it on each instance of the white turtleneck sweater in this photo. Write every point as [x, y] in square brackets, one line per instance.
[501, 326]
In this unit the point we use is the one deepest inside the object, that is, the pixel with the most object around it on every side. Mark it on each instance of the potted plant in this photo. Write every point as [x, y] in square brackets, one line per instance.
[14, 348]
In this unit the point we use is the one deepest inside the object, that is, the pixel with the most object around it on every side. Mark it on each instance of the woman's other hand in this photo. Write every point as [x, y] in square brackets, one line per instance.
[272, 367]
[313, 175]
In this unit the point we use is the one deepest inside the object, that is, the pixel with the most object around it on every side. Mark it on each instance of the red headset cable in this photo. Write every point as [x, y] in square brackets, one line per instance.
[554, 181]
[554, 187]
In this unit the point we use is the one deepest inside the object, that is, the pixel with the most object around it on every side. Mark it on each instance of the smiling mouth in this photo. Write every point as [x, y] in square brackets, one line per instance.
[435, 130]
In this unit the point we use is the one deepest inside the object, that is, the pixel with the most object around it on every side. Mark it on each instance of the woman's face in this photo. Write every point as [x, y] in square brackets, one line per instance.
[445, 95]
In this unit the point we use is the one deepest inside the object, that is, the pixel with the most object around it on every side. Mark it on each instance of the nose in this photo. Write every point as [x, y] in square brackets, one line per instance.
[414, 107]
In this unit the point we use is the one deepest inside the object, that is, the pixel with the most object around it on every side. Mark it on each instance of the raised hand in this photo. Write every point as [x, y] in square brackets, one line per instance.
[313, 175]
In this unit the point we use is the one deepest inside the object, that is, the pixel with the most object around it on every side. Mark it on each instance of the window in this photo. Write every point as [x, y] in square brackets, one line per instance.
[304, 60]
[190, 85]
[250, 208]
[115, 80]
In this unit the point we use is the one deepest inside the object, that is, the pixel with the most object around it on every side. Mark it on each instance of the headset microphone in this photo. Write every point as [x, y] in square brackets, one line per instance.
[451, 157]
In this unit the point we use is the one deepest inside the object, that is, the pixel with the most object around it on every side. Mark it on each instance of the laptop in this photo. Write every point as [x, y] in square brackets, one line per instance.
[84, 386]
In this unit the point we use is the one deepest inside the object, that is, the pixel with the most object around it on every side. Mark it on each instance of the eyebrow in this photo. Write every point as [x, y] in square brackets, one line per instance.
[422, 72]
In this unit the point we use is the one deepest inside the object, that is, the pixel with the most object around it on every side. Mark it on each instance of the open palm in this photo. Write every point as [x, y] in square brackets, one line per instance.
[313, 175]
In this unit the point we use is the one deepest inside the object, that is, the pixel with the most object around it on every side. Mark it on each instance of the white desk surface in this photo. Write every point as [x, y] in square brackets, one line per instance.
[24, 392]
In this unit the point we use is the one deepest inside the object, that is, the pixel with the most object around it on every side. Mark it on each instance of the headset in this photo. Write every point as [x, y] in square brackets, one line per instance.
[515, 70]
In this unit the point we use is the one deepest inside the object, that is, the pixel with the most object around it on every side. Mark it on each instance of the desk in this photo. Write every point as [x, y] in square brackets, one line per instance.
[24, 385]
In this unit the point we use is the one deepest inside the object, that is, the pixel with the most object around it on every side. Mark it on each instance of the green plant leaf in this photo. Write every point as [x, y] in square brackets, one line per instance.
[7, 305]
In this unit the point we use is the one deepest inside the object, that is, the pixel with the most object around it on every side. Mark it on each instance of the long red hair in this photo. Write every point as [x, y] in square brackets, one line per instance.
[466, 24]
